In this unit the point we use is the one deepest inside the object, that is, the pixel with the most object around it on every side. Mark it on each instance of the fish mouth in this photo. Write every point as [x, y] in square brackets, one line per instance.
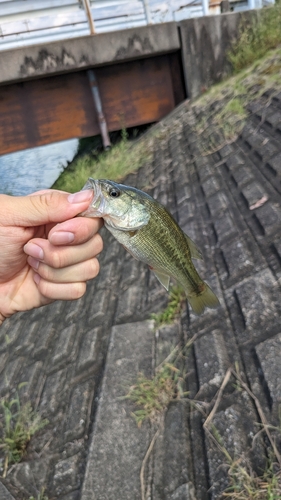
[97, 205]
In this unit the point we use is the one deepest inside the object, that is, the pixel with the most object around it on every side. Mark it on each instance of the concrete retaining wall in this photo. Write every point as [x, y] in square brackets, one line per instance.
[204, 45]
[89, 51]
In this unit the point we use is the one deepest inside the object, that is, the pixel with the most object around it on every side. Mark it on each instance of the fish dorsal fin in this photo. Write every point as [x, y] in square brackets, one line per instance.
[194, 251]
[163, 278]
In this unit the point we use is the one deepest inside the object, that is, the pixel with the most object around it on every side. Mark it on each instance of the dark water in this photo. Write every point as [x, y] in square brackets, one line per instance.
[30, 170]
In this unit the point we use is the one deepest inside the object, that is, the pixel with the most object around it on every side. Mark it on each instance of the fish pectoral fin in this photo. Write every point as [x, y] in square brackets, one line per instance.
[194, 250]
[163, 278]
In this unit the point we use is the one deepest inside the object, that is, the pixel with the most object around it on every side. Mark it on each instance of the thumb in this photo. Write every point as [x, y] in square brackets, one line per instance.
[42, 208]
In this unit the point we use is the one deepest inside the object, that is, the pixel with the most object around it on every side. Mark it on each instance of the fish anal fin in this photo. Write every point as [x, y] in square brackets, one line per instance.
[194, 250]
[162, 277]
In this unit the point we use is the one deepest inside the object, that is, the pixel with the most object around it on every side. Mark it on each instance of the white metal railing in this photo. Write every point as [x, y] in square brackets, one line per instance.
[26, 22]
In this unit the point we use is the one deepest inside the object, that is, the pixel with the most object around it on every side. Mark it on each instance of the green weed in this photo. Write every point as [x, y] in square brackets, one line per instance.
[41, 496]
[256, 38]
[246, 485]
[177, 298]
[120, 160]
[18, 424]
[152, 396]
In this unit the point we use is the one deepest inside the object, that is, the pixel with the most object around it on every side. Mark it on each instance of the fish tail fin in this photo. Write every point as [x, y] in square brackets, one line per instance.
[203, 299]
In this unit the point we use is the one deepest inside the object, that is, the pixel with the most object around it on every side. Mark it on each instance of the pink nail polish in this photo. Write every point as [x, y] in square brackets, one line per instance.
[81, 196]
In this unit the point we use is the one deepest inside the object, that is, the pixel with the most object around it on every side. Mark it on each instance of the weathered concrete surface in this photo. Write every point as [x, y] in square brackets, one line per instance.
[89, 51]
[114, 461]
[205, 42]
[77, 357]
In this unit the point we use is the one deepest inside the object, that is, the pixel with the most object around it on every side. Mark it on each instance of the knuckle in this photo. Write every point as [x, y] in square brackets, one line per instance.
[56, 259]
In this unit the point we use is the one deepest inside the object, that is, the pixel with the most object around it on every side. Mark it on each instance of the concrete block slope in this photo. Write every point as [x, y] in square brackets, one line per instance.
[80, 358]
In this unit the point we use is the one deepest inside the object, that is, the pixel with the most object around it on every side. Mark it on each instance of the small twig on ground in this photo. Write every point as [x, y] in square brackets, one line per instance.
[144, 462]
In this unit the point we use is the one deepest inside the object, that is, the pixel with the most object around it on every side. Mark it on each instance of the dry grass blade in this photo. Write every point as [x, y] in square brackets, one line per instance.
[144, 462]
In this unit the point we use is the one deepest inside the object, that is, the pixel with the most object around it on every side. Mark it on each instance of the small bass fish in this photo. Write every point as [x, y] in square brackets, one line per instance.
[148, 231]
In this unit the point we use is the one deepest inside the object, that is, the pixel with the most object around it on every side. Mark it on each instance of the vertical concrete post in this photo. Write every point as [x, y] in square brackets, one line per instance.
[98, 106]
[205, 7]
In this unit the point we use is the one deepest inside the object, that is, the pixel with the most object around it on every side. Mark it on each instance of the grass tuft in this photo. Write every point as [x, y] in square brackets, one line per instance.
[152, 396]
[177, 298]
[18, 424]
[246, 485]
[256, 38]
[120, 160]
[41, 496]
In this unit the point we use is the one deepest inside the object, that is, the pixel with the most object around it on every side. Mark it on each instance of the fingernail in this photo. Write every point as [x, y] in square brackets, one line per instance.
[61, 237]
[36, 278]
[34, 250]
[34, 263]
[81, 196]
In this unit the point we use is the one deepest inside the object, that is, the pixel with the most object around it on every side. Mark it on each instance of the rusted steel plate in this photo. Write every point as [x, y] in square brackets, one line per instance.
[44, 111]
[61, 107]
[137, 92]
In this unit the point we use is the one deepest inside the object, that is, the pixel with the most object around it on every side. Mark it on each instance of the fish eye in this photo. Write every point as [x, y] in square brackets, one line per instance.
[114, 193]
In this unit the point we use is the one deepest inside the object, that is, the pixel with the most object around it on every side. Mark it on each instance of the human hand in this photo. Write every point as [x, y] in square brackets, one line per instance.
[45, 253]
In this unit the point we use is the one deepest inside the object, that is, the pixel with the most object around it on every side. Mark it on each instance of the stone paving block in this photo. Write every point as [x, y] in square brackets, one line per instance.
[118, 446]
[237, 431]
[254, 193]
[89, 350]
[27, 338]
[269, 216]
[64, 344]
[218, 203]
[212, 362]
[275, 164]
[238, 259]
[3, 358]
[130, 305]
[172, 476]
[8, 381]
[183, 193]
[78, 410]
[44, 336]
[260, 311]
[66, 475]
[242, 176]
[274, 118]
[4, 493]
[31, 375]
[29, 478]
[235, 161]
[54, 388]
[98, 309]
[167, 338]
[225, 228]
[268, 149]
[269, 357]
[109, 275]
[10, 333]
[226, 150]
[211, 186]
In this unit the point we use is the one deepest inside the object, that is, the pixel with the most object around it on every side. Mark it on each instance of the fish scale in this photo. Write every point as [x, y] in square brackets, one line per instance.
[150, 234]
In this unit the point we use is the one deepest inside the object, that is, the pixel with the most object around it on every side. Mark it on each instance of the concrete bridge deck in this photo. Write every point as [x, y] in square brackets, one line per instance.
[79, 358]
